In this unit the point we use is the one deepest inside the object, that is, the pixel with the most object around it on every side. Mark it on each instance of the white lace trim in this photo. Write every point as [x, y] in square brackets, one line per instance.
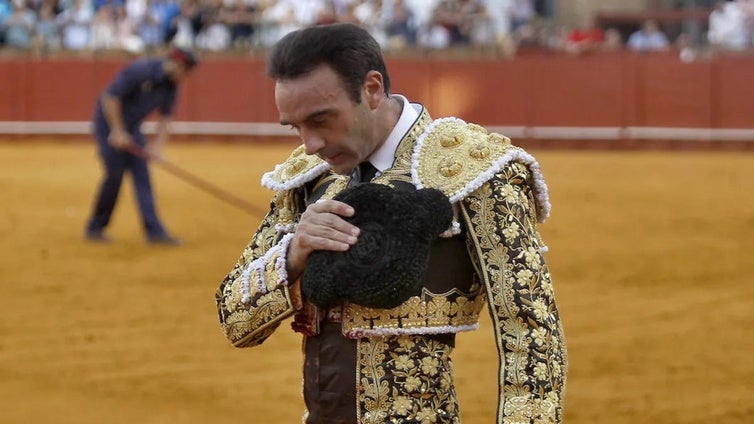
[269, 182]
[539, 186]
[454, 230]
[260, 264]
[286, 228]
[381, 332]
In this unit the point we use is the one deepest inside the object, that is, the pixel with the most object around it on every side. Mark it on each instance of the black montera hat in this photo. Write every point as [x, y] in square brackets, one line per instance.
[388, 263]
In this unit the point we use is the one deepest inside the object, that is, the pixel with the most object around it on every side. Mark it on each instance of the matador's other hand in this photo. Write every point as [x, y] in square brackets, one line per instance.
[322, 227]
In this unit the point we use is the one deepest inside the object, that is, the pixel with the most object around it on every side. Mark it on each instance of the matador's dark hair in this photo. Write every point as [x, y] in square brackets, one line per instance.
[347, 48]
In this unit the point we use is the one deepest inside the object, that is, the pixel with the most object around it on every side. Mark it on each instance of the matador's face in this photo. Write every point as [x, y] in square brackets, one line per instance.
[329, 123]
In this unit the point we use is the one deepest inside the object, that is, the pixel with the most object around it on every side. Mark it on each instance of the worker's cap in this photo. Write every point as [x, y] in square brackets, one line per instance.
[185, 56]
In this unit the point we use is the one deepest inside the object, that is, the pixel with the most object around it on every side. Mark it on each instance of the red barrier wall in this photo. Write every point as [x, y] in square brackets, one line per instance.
[610, 90]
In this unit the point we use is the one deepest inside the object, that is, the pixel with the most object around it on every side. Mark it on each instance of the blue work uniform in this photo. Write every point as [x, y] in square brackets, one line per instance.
[142, 87]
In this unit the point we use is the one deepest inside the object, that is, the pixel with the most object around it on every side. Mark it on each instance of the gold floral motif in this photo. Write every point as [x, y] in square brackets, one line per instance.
[476, 128]
[298, 163]
[453, 154]
[250, 323]
[338, 184]
[453, 309]
[405, 379]
[479, 151]
[284, 204]
[450, 167]
[294, 167]
[248, 326]
[233, 295]
[451, 140]
[402, 164]
[499, 139]
[272, 273]
[519, 290]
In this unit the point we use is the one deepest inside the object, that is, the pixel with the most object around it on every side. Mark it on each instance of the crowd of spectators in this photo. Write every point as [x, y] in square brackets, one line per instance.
[498, 26]
[220, 25]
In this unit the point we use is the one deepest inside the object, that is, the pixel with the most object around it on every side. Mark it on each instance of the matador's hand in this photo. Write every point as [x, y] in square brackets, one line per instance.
[321, 227]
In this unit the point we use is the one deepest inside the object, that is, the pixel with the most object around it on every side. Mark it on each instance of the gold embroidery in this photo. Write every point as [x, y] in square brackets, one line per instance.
[332, 181]
[452, 310]
[283, 201]
[453, 154]
[297, 164]
[251, 325]
[451, 141]
[402, 166]
[405, 379]
[449, 167]
[339, 183]
[533, 356]
[499, 139]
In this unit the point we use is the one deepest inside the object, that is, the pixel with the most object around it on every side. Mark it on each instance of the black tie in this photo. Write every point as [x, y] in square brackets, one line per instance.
[365, 172]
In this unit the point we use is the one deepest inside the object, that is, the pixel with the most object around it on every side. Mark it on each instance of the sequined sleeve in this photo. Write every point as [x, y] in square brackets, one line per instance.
[255, 297]
[528, 330]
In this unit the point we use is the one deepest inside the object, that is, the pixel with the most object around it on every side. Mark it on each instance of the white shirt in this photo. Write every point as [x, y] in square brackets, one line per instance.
[383, 157]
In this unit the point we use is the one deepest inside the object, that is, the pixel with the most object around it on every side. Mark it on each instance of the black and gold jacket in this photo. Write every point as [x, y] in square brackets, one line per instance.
[498, 194]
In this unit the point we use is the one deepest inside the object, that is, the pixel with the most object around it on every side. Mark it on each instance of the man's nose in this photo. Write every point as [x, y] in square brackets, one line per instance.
[313, 143]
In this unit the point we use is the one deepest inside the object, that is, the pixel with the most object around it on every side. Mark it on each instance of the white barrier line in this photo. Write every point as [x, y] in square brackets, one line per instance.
[272, 129]
[690, 133]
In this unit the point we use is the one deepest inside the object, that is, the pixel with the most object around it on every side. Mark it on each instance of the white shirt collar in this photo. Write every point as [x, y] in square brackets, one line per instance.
[383, 157]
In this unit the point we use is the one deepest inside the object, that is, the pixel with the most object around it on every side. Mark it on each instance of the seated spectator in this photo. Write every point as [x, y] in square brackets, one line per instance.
[369, 14]
[479, 26]
[46, 36]
[501, 26]
[103, 28]
[328, 14]
[521, 13]
[186, 24]
[401, 29]
[308, 11]
[242, 18]
[585, 38]
[135, 9]
[685, 46]
[648, 38]
[421, 11]
[451, 15]
[166, 12]
[113, 4]
[149, 27]
[126, 37]
[5, 11]
[549, 36]
[613, 40]
[214, 34]
[75, 23]
[747, 8]
[277, 19]
[727, 26]
[19, 26]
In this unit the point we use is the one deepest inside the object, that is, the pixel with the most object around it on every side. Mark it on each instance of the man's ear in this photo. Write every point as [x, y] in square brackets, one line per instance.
[374, 89]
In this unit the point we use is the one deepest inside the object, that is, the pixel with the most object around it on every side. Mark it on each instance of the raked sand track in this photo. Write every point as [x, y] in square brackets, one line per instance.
[652, 255]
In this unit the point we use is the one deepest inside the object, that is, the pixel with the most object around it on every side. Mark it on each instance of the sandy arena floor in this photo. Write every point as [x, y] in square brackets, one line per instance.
[652, 255]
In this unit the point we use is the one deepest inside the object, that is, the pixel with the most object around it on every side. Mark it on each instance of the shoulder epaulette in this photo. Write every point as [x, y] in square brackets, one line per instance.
[457, 158]
[296, 171]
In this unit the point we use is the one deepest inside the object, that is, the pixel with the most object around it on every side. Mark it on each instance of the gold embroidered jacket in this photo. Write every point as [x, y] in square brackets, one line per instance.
[498, 194]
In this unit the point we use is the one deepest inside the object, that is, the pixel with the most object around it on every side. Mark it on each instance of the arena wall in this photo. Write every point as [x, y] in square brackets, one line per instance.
[610, 96]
